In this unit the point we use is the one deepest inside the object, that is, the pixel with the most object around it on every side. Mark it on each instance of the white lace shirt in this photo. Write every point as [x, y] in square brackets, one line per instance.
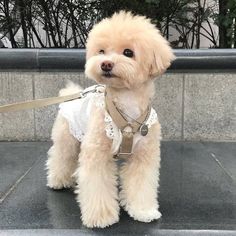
[77, 113]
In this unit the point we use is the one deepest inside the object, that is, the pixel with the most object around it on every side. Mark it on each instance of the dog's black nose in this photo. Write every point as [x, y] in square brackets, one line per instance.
[107, 66]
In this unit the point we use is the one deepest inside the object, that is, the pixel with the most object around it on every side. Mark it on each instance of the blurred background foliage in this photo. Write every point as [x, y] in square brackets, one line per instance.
[66, 23]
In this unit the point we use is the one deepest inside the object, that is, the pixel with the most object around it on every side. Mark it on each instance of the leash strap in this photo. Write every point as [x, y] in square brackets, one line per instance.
[31, 104]
[116, 116]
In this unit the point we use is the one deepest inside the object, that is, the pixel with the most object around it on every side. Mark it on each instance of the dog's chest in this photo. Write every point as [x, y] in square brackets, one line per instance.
[129, 105]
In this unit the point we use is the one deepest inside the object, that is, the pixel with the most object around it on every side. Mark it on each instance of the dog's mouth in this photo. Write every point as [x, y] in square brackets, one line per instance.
[108, 75]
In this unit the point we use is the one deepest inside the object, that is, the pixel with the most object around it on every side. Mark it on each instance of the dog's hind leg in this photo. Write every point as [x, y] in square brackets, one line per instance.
[62, 156]
[140, 177]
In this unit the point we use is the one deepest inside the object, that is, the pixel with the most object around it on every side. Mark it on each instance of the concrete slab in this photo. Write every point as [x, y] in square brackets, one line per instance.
[200, 108]
[210, 107]
[15, 87]
[168, 103]
[196, 107]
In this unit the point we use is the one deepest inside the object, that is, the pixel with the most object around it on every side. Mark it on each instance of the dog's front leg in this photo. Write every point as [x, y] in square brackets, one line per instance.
[97, 177]
[140, 177]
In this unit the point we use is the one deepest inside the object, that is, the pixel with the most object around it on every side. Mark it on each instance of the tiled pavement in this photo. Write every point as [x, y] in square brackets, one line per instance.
[197, 193]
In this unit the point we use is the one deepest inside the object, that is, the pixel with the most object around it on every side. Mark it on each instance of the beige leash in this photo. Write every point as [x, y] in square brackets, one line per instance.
[31, 104]
[128, 129]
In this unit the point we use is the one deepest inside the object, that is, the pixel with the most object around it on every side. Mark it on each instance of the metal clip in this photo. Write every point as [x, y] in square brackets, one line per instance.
[96, 89]
[123, 154]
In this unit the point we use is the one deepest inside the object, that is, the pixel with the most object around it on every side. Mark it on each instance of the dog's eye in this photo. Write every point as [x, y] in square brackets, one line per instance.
[101, 51]
[128, 53]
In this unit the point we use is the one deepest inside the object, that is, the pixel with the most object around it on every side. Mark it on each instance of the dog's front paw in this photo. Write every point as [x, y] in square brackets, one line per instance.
[144, 215]
[100, 219]
[59, 182]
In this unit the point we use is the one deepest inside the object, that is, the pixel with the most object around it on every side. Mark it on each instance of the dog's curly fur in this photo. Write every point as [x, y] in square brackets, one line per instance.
[90, 165]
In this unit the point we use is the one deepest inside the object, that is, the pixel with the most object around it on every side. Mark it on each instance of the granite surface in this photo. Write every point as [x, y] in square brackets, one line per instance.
[197, 192]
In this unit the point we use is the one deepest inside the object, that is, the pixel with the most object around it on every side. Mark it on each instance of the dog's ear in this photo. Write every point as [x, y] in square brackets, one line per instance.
[162, 56]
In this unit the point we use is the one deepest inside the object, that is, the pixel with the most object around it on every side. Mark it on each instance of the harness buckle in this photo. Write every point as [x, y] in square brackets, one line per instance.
[96, 89]
[123, 154]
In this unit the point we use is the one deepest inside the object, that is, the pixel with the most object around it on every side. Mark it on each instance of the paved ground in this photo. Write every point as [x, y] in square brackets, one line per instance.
[198, 192]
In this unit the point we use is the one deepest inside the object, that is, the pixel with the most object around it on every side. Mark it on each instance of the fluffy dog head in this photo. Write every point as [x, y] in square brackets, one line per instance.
[125, 51]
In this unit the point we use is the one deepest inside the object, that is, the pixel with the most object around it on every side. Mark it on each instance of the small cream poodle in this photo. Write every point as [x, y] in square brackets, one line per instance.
[124, 55]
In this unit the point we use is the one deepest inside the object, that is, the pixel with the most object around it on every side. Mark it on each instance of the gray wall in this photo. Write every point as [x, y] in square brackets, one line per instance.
[190, 106]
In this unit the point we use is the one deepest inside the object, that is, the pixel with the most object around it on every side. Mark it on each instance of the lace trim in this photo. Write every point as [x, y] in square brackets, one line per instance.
[77, 133]
[99, 101]
[152, 119]
[110, 127]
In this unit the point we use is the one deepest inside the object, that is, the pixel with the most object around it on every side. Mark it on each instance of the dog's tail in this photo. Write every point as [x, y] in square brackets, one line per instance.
[70, 88]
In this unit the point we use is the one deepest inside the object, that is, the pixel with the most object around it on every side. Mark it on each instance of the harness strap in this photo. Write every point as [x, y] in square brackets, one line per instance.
[128, 129]
[111, 109]
[126, 146]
